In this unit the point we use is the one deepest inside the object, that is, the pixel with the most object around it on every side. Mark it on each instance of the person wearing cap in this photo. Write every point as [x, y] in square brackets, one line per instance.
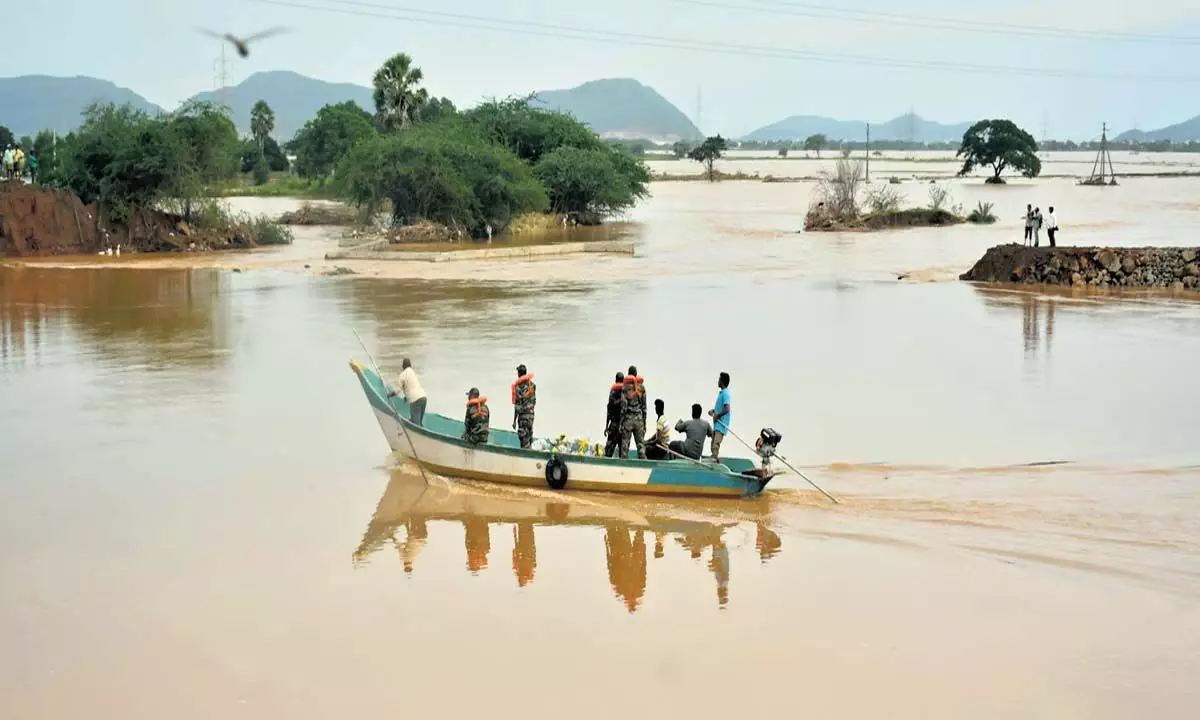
[414, 395]
[476, 424]
[524, 398]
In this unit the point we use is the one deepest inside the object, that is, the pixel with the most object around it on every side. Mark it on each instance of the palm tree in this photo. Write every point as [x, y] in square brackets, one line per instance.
[397, 95]
[262, 121]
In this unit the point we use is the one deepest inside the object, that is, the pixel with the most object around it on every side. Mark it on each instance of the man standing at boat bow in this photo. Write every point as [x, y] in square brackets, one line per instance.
[414, 395]
[524, 398]
[720, 416]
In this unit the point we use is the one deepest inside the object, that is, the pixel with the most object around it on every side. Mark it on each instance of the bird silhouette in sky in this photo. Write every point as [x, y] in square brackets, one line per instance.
[241, 44]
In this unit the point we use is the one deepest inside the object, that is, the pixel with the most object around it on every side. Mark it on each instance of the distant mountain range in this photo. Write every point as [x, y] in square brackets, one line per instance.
[32, 103]
[906, 127]
[623, 108]
[1186, 131]
[618, 108]
[295, 99]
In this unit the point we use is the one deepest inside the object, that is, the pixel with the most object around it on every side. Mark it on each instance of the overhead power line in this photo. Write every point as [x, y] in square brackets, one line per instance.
[929, 22]
[522, 27]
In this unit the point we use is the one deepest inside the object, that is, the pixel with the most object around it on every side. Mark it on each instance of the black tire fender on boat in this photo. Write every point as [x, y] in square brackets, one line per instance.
[556, 473]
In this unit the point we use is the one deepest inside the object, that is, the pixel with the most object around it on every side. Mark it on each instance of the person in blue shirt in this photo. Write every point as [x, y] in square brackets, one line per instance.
[720, 415]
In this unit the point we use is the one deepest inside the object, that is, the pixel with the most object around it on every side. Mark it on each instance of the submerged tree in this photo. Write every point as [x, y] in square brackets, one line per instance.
[1001, 145]
[445, 172]
[708, 152]
[398, 95]
[590, 184]
[816, 143]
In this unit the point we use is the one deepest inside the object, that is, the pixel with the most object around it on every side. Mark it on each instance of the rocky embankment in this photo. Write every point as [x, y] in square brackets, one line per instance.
[1168, 267]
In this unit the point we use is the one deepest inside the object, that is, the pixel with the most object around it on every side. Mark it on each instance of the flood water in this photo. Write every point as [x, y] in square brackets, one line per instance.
[199, 517]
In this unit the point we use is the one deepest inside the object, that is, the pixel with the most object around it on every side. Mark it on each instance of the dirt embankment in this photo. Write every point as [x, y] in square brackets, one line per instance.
[1099, 267]
[819, 220]
[39, 221]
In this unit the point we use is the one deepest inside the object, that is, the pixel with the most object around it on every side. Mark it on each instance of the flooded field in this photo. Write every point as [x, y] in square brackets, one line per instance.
[199, 517]
[924, 164]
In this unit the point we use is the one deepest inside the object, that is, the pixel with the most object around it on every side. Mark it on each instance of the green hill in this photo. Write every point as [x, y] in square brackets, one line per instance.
[1186, 131]
[32, 103]
[622, 108]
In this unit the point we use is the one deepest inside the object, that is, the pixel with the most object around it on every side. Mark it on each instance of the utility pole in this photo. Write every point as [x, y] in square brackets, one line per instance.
[868, 152]
[699, 111]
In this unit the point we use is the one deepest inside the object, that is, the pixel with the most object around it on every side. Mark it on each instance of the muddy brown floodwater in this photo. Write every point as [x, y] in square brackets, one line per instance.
[199, 518]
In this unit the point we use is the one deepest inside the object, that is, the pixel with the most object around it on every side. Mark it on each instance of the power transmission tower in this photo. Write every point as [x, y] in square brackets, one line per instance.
[699, 111]
[221, 78]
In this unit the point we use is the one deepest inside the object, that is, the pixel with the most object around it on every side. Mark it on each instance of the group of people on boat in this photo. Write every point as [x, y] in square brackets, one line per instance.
[625, 421]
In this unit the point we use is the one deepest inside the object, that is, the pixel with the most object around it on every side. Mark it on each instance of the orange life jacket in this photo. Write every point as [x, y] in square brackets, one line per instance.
[638, 382]
[526, 391]
[477, 408]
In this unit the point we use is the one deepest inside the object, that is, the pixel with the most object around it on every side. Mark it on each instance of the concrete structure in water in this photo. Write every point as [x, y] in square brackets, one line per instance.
[517, 252]
[1166, 267]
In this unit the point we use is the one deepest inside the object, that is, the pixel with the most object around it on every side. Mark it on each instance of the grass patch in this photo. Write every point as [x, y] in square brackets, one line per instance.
[279, 185]
[535, 224]
[310, 214]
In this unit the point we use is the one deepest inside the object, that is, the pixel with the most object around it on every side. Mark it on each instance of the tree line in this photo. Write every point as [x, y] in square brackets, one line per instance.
[475, 170]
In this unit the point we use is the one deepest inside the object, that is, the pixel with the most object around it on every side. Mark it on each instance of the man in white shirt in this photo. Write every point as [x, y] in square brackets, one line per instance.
[414, 395]
[1051, 226]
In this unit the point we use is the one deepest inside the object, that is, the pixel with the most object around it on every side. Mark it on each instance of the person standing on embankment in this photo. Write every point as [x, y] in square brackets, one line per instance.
[1051, 226]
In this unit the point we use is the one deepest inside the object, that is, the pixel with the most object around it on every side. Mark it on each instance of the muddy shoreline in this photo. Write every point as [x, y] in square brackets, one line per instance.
[1145, 267]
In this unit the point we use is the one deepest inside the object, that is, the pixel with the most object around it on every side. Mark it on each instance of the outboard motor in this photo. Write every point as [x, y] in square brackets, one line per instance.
[768, 440]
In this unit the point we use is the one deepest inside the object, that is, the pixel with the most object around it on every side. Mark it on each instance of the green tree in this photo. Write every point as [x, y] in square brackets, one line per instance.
[708, 152]
[6, 137]
[816, 143]
[25, 142]
[445, 172]
[123, 160]
[530, 132]
[590, 184]
[436, 109]
[46, 151]
[212, 145]
[276, 160]
[262, 169]
[323, 141]
[681, 149]
[262, 122]
[1001, 145]
[398, 95]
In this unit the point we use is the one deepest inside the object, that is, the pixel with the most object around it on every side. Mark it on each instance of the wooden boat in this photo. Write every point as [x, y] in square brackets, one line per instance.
[437, 446]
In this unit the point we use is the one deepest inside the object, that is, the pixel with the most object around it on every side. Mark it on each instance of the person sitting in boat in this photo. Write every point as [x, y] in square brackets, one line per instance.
[524, 398]
[656, 444]
[476, 425]
[616, 407]
[695, 430]
[414, 395]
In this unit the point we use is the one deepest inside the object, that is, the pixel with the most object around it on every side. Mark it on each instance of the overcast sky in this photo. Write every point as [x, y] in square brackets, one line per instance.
[152, 47]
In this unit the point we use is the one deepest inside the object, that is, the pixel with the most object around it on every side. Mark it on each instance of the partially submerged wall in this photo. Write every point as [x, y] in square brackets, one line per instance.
[1172, 267]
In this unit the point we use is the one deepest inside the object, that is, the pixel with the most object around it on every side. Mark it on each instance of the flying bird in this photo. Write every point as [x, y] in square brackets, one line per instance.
[241, 44]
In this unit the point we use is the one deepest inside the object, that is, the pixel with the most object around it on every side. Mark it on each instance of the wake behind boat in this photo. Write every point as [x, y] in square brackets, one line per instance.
[437, 446]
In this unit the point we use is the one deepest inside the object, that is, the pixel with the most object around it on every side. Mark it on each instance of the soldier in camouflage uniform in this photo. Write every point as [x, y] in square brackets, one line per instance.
[612, 423]
[633, 415]
[477, 423]
[524, 398]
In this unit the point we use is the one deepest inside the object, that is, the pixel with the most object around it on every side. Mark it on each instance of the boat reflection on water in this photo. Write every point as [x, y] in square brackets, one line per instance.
[631, 527]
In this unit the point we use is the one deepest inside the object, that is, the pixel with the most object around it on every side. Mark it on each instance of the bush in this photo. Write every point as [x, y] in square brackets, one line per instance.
[839, 190]
[939, 197]
[982, 214]
[262, 171]
[264, 231]
[884, 199]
